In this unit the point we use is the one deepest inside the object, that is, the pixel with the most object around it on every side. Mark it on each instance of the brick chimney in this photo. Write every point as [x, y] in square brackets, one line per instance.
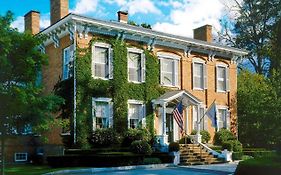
[203, 33]
[123, 16]
[32, 22]
[59, 9]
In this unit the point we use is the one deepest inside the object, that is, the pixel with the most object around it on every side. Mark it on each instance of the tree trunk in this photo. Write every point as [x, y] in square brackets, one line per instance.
[2, 154]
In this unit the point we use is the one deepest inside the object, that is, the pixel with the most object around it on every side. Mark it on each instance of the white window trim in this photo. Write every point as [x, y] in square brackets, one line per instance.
[137, 102]
[222, 65]
[174, 57]
[203, 62]
[71, 49]
[104, 100]
[222, 107]
[108, 47]
[139, 51]
[15, 157]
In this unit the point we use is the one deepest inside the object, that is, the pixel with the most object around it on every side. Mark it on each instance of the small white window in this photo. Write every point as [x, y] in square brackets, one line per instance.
[169, 70]
[20, 157]
[102, 61]
[222, 78]
[136, 113]
[102, 113]
[136, 65]
[223, 118]
[68, 56]
[199, 76]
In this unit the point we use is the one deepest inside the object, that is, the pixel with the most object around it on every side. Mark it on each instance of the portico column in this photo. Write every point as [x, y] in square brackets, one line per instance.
[198, 135]
[165, 137]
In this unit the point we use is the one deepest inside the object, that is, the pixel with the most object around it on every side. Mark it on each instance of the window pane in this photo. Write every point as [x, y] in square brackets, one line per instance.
[135, 114]
[101, 55]
[134, 60]
[198, 75]
[101, 62]
[221, 78]
[221, 117]
[102, 115]
[167, 72]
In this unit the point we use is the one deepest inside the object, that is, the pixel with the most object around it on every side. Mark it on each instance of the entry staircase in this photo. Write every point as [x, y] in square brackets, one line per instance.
[196, 154]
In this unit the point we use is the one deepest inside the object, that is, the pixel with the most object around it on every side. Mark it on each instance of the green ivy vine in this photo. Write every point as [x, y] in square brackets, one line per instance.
[119, 89]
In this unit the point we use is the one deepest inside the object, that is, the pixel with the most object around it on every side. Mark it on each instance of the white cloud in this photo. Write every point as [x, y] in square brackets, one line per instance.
[85, 6]
[143, 6]
[188, 15]
[45, 21]
[19, 23]
[118, 2]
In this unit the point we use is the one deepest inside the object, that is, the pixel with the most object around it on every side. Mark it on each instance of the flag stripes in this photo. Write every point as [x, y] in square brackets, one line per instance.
[177, 114]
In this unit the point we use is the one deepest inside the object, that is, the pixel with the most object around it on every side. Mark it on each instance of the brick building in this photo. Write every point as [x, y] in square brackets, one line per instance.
[196, 72]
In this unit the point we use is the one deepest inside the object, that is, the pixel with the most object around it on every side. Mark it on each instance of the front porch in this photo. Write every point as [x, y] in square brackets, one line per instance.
[167, 130]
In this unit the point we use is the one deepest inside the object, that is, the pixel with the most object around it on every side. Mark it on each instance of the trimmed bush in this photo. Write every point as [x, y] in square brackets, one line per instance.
[185, 140]
[174, 146]
[232, 145]
[222, 136]
[205, 135]
[153, 160]
[136, 134]
[237, 155]
[227, 145]
[141, 147]
[104, 137]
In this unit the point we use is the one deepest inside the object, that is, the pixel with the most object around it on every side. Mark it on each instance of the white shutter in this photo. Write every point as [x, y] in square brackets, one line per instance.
[205, 121]
[205, 76]
[217, 74]
[110, 63]
[110, 104]
[71, 52]
[176, 72]
[94, 114]
[143, 120]
[161, 73]
[227, 79]
[194, 118]
[193, 74]
[142, 67]
[93, 61]
[227, 119]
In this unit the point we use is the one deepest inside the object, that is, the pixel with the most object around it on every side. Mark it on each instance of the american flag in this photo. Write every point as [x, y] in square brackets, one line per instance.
[177, 114]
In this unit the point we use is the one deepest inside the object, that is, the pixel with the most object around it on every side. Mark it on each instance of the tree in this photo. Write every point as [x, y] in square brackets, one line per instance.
[21, 99]
[252, 30]
[259, 112]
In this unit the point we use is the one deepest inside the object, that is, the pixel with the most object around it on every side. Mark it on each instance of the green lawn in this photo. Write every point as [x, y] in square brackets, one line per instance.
[30, 169]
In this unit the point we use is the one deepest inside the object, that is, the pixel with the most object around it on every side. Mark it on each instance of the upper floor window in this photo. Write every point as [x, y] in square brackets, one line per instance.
[169, 69]
[102, 113]
[102, 61]
[68, 56]
[199, 75]
[136, 65]
[223, 118]
[222, 73]
[136, 113]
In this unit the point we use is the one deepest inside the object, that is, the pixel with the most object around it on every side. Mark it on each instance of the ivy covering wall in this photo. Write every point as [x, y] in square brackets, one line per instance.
[119, 89]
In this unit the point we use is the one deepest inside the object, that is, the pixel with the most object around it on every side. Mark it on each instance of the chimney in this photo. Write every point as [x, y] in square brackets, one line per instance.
[203, 33]
[59, 9]
[123, 16]
[32, 22]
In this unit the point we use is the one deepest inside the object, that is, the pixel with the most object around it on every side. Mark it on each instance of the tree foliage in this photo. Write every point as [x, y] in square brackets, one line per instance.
[259, 112]
[21, 99]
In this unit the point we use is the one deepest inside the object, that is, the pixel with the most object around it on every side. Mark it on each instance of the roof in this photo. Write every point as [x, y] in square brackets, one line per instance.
[131, 31]
[180, 95]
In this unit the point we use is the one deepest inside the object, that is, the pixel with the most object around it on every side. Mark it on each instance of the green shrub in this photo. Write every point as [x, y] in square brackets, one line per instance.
[153, 160]
[205, 135]
[222, 136]
[237, 146]
[174, 146]
[141, 147]
[104, 137]
[136, 134]
[237, 155]
[185, 140]
[227, 145]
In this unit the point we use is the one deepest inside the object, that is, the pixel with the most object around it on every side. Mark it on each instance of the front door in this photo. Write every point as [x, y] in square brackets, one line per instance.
[170, 127]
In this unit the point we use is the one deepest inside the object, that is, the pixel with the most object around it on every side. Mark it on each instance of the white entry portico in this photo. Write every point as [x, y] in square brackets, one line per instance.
[163, 107]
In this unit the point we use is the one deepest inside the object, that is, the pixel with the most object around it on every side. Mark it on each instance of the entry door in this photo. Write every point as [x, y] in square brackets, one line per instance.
[170, 127]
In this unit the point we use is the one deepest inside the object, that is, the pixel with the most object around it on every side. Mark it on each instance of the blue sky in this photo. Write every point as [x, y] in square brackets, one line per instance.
[172, 16]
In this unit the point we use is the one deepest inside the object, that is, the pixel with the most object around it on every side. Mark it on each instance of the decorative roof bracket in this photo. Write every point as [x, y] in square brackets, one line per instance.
[56, 40]
[151, 44]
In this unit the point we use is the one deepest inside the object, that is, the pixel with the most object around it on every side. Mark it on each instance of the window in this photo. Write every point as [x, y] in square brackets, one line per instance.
[223, 118]
[169, 70]
[136, 65]
[102, 63]
[199, 75]
[204, 120]
[222, 79]
[102, 113]
[68, 54]
[136, 113]
[20, 157]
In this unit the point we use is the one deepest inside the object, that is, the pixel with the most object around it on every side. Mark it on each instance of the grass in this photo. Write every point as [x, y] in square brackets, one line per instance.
[265, 161]
[28, 169]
